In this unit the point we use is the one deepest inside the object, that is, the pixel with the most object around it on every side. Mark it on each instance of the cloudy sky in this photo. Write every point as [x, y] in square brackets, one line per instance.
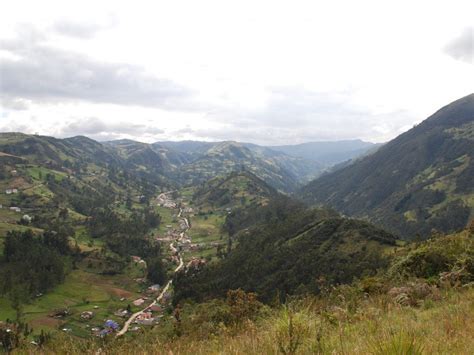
[268, 72]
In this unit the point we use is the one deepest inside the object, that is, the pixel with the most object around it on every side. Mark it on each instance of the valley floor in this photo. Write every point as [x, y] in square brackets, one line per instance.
[87, 290]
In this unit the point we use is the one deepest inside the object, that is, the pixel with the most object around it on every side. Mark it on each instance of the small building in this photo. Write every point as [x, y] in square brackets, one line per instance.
[8, 191]
[136, 259]
[110, 324]
[156, 308]
[154, 288]
[145, 318]
[144, 315]
[27, 219]
[138, 302]
[123, 313]
[87, 315]
[15, 209]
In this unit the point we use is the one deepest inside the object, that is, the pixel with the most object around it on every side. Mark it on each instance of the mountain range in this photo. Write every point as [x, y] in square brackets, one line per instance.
[184, 163]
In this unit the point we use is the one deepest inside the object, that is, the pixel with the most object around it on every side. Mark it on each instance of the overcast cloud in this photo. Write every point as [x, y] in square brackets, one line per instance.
[40, 73]
[265, 72]
[462, 47]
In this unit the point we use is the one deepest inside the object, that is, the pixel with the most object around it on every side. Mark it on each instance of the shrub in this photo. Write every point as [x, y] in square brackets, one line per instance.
[291, 329]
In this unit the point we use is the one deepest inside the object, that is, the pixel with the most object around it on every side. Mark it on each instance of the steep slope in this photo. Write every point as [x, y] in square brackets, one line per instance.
[289, 251]
[421, 180]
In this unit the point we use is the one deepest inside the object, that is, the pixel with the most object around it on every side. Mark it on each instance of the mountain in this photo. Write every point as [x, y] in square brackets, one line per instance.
[284, 172]
[287, 249]
[327, 153]
[190, 148]
[303, 161]
[421, 180]
[226, 157]
[147, 156]
[234, 190]
[76, 173]
[57, 152]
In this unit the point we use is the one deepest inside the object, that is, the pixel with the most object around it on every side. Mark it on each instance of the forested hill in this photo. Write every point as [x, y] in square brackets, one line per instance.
[420, 181]
[287, 249]
[234, 190]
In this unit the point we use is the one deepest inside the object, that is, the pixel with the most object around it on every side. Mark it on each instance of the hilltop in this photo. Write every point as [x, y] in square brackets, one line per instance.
[235, 190]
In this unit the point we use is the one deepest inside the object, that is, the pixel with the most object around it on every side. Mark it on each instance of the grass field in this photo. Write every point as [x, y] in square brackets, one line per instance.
[168, 217]
[39, 173]
[206, 229]
[82, 291]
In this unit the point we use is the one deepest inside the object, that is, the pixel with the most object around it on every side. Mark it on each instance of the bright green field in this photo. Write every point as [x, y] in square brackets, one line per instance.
[80, 292]
[39, 173]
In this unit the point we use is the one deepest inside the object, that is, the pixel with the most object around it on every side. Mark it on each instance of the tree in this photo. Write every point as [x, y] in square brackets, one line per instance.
[155, 270]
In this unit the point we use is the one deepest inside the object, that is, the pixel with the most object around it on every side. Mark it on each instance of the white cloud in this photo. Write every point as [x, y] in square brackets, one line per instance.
[462, 47]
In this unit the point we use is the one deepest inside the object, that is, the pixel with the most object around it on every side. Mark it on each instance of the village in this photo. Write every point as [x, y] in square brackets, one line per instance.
[154, 302]
[158, 298]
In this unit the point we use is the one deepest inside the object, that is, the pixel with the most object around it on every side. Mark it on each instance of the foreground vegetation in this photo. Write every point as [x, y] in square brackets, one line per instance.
[421, 303]
[351, 325]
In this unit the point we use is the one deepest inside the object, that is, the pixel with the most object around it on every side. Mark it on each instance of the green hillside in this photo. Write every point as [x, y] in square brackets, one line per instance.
[420, 181]
[227, 157]
[288, 251]
[235, 190]
[69, 207]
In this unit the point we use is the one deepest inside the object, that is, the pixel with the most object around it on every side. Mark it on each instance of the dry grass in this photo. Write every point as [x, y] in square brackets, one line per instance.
[373, 325]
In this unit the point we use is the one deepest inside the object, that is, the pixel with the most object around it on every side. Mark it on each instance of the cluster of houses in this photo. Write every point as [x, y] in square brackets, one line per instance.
[196, 263]
[110, 326]
[11, 191]
[188, 210]
[165, 201]
[183, 225]
[148, 317]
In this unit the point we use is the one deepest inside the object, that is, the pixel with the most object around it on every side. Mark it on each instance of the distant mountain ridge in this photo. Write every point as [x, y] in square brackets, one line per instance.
[324, 153]
[421, 180]
[328, 153]
[181, 163]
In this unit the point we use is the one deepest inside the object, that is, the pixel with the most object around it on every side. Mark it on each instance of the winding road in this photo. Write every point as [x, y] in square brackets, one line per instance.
[165, 289]
[158, 299]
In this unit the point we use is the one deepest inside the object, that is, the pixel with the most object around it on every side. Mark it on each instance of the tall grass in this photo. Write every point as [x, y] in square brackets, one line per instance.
[314, 326]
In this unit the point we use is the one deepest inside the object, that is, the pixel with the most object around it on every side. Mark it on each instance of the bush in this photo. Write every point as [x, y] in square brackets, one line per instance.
[291, 329]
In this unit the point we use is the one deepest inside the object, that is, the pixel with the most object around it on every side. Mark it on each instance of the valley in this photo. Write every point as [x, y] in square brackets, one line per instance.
[185, 245]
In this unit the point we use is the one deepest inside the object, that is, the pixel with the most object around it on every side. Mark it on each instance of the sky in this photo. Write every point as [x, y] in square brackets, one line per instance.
[266, 72]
